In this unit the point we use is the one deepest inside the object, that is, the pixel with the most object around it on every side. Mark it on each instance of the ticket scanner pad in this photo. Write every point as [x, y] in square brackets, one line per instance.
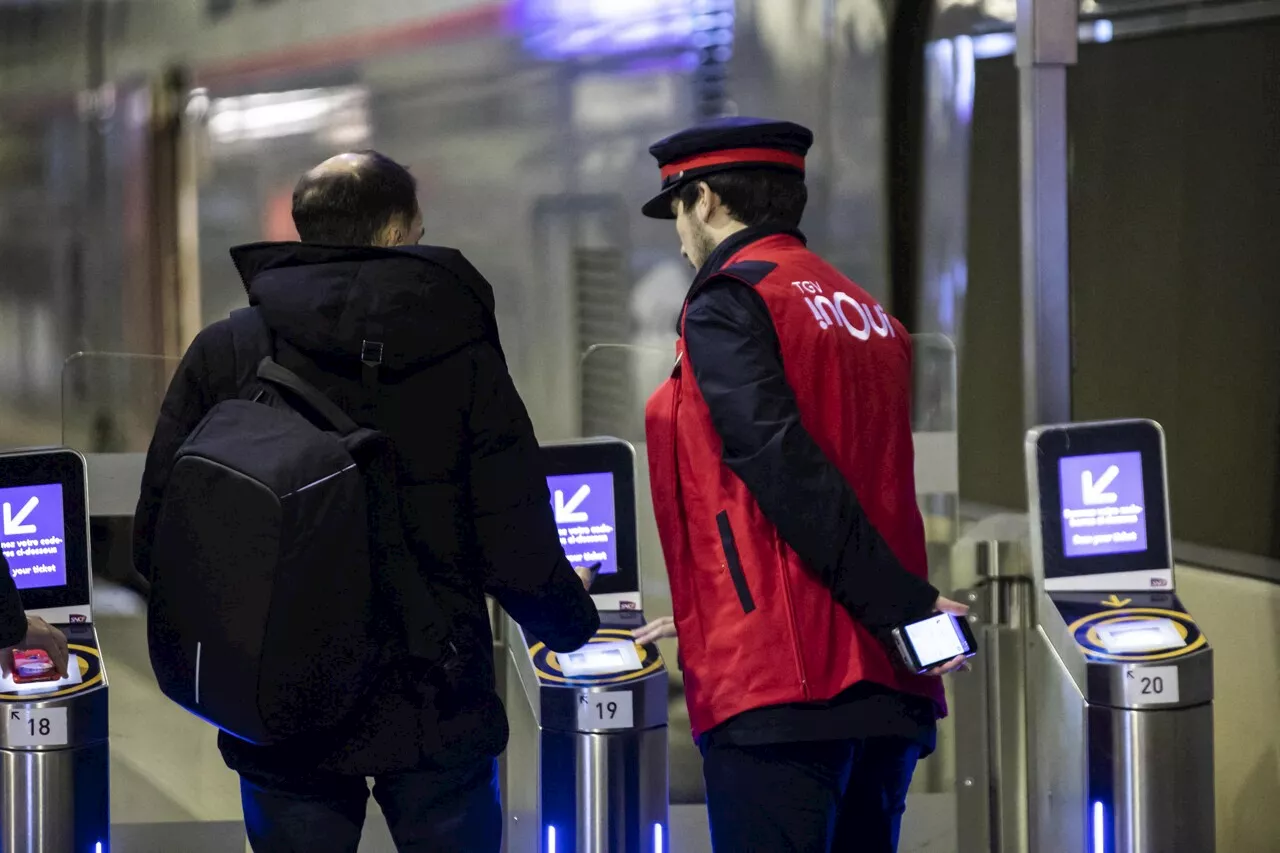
[587, 762]
[1113, 643]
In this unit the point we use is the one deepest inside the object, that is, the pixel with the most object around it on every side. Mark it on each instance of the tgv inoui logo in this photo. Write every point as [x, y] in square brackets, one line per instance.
[841, 309]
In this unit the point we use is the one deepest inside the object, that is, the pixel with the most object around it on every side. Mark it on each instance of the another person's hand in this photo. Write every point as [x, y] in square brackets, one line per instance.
[587, 575]
[656, 630]
[959, 662]
[40, 635]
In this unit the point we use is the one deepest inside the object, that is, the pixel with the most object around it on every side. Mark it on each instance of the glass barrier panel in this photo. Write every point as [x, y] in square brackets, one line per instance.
[110, 401]
[110, 404]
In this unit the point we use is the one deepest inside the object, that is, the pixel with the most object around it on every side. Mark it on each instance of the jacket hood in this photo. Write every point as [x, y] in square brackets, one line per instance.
[420, 302]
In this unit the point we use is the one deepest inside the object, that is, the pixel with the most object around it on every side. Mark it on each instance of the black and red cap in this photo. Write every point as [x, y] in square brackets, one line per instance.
[723, 144]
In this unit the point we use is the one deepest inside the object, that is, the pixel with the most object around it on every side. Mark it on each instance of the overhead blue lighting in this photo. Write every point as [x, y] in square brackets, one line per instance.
[559, 29]
[1099, 830]
[1103, 31]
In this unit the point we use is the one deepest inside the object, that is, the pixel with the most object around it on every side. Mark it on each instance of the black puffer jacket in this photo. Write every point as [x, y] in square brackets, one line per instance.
[473, 491]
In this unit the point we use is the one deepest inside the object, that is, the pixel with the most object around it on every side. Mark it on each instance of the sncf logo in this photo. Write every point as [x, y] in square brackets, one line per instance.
[841, 309]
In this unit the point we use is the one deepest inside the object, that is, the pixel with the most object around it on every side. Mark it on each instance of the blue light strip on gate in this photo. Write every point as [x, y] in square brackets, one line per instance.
[551, 839]
[657, 838]
[1099, 830]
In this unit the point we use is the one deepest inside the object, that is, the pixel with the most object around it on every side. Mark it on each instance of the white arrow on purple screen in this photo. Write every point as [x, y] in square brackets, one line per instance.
[566, 513]
[13, 525]
[1095, 493]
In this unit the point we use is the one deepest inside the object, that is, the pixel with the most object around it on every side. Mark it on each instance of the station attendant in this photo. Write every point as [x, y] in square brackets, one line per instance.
[781, 461]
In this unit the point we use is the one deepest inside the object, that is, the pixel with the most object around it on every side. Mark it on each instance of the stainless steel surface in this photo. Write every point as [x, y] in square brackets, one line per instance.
[609, 819]
[521, 766]
[991, 728]
[1046, 33]
[1160, 763]
[1058, 757]
[976, 787]
[593, 771]
[54, 801]
[1006, 653]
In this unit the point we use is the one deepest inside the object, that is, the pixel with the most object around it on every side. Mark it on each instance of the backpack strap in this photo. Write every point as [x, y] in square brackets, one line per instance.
[251, 342]
[312, 397]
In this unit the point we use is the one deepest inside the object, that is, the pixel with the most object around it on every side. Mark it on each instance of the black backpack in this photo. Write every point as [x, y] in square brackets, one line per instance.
[283, 586]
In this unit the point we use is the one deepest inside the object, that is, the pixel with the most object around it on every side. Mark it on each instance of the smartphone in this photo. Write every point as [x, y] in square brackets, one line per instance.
[33, 665]
[934, 640]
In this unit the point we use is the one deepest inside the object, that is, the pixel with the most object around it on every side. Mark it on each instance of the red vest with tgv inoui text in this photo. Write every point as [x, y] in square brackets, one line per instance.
[849, 364]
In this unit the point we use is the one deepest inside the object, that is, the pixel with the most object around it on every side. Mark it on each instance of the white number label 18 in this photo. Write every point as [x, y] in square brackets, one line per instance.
[1154, 685]
[41, 727]
[605, 711]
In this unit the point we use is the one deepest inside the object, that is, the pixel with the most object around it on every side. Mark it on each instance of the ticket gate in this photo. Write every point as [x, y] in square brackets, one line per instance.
[586, 763]
[54, 758]
[1089, 725]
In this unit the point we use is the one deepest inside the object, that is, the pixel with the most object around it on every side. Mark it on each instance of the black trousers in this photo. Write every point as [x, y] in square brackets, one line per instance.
[427, 812]
[808, 797]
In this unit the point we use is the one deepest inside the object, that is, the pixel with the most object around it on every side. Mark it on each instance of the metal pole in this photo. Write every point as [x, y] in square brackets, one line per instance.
[1046, 46]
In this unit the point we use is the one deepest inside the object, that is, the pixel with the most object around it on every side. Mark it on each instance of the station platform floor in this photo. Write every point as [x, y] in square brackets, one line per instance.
[168, 781]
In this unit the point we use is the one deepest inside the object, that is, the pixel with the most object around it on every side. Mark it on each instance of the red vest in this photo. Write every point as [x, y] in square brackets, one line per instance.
[849, 364]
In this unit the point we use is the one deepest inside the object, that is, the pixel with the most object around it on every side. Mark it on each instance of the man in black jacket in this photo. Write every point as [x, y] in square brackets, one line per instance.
[473, 495]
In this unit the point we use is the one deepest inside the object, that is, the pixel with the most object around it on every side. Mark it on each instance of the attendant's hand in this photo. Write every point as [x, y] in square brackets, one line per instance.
[658, 629]
[959, 662]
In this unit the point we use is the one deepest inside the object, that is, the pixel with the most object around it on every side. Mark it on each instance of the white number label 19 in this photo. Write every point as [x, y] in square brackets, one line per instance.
[40, 727]
[1154, 685]
[605, 711]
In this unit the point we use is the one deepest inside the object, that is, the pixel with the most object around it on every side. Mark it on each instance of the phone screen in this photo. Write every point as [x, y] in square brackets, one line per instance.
[32, 665]
[936, 640]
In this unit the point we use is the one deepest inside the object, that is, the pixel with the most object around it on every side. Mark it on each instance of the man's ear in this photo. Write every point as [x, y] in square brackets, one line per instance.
[393, 233]
[708, 204]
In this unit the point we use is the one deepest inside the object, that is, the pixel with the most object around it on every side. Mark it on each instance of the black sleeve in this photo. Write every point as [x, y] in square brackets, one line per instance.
[185, 404]
[527, 570]
[737, 363]
[13, 619]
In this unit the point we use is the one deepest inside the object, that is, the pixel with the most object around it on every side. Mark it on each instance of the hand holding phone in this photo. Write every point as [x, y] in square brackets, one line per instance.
[939, 643]
[42, 637]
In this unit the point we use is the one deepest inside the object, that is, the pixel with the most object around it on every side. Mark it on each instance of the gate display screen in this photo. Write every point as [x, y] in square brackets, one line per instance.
[586, 517]
[592, 487]
[1102, 504]
[1099, 493]
[44, 529]
[33, 538]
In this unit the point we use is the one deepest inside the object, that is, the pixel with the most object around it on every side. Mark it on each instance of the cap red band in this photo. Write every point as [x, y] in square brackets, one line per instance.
[733, 155]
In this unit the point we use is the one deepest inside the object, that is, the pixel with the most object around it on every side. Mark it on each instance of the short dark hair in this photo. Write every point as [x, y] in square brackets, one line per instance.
[351, 207]
[755, 196]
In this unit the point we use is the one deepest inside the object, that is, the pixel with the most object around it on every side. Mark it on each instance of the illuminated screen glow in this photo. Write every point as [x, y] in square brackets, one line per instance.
[1103, 504]
[33, 535]
[936, 639]
[558, 29]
